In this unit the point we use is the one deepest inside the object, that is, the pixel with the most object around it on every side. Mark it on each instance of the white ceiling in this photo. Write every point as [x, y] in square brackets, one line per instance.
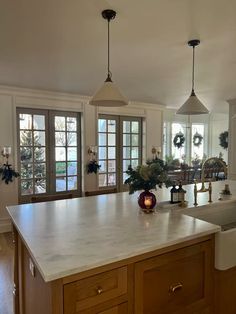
[61, 45]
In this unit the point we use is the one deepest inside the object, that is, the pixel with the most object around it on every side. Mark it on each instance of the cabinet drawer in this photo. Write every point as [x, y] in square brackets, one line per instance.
[88, 292]
[117, 309]
[176, 282]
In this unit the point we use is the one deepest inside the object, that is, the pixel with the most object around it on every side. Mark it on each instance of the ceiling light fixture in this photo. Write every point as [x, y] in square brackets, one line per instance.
[193, 105]
[109, 94]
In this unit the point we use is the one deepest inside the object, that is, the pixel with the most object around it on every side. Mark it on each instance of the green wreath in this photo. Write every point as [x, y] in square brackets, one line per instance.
[179, 140]
[197, 139]
[224, 139]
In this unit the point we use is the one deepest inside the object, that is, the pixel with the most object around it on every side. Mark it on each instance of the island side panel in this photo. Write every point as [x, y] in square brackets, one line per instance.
[33, 294]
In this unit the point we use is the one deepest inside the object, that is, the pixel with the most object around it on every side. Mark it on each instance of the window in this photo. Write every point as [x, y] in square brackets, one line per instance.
[198, 151]
[119, 145]
[175, 151]
[189, 151]
[49, 152]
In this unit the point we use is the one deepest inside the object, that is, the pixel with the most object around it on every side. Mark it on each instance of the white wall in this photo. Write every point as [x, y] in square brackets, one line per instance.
[232, 139]
[11, 98]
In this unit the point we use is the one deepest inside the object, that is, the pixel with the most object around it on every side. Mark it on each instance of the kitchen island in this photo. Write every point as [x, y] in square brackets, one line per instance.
[102, 255]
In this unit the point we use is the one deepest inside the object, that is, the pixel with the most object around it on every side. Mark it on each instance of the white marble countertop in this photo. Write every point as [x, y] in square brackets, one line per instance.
[70, 236]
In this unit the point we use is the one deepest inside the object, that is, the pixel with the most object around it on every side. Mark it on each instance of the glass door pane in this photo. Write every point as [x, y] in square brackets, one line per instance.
[131, 144]
[66, 151]
[32, 152]
[107, 151]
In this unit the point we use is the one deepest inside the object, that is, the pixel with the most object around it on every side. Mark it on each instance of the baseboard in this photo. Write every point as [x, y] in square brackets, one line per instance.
[5, 225]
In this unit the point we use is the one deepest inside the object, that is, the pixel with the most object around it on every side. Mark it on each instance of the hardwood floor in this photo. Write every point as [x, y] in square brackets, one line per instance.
[6, 273]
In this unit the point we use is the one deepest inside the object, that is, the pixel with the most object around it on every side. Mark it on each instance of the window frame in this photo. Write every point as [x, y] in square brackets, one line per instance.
[49, 152]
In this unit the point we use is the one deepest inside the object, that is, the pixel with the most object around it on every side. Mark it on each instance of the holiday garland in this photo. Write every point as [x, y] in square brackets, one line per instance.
[223, 137]
[197, 139]
[179, 140]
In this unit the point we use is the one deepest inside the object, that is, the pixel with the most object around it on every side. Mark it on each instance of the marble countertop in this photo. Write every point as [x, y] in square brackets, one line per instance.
[70, 236]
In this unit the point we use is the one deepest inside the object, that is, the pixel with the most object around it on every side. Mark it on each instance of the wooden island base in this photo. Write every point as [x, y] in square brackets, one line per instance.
[177, 279]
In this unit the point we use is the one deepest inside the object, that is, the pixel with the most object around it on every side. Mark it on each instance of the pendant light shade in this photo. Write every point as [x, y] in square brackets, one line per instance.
[109, 94]
[193, 106]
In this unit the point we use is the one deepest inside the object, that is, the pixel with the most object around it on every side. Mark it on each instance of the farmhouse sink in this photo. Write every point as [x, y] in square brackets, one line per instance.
[224, 215]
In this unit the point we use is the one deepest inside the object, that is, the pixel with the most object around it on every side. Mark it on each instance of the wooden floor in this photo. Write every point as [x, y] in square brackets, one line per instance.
[6, 273]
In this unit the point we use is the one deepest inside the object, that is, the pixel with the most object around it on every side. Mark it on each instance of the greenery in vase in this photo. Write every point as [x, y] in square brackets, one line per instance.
[148, 176]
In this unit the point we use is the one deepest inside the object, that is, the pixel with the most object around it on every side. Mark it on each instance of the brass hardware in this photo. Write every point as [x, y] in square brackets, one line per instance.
[176, 287]
[195, 191]
[99, 290]
[31, 267]
[14, 290]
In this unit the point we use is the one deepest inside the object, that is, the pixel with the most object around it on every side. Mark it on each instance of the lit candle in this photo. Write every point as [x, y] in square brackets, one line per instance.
[148, 201]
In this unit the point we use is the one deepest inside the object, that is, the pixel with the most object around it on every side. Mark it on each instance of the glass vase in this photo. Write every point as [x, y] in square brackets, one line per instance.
[147, 201]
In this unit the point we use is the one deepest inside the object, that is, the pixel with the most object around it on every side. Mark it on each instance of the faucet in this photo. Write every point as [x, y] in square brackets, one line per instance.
[203, 189]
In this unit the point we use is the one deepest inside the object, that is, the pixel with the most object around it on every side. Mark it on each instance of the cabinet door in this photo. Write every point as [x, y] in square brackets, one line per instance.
[176, 282]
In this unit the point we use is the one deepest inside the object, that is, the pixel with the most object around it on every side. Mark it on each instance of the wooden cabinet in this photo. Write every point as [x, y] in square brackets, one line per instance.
[176, 282]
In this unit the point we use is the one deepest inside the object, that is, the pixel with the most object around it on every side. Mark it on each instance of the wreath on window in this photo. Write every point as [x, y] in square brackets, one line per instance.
[179, 140]
[224, 139]
[197, 139]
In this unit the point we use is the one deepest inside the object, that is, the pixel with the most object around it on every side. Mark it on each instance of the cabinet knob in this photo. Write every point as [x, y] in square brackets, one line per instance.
[176, 287]
[99, 290]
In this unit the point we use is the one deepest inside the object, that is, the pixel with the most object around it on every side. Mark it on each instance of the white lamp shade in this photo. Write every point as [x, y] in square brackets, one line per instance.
[192, 106]
[108, 95]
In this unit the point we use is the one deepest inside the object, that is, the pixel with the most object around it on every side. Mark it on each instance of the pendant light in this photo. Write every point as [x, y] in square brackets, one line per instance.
[193, 105]
[109, 94]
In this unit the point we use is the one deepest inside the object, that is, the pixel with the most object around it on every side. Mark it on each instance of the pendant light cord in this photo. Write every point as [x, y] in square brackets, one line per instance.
[193, 69]
[109, 74]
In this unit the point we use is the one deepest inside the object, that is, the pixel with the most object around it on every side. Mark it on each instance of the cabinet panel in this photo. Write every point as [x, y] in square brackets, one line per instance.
[88, 292]
[176, 282]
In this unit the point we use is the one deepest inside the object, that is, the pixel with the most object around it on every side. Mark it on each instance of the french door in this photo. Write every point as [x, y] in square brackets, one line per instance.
[119, 145]
[49, 152]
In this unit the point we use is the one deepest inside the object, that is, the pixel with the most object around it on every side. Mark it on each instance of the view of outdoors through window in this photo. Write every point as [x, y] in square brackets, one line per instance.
[48, 151]
[179, 153]
[32, 153]
[66, 143]
[189, 131]
[119, 145]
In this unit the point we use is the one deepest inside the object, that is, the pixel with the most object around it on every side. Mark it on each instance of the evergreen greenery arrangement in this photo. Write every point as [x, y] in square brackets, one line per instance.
[179, 140]
[92, 166]
[8, 174]
[147, 177]
[197, 139]
[223, 137]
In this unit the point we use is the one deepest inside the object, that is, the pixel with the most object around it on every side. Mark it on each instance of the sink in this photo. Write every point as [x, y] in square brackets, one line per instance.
[222, 214]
